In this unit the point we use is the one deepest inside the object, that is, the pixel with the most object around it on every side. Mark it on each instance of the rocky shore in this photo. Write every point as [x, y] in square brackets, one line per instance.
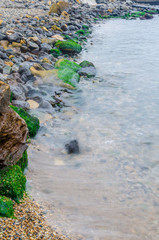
[39, 44]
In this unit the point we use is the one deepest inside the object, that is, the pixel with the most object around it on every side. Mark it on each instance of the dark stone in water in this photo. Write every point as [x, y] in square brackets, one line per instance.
[72, 147]
[146, 16]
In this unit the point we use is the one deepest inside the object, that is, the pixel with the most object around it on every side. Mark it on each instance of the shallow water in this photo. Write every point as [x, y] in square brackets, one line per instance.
[110, 191]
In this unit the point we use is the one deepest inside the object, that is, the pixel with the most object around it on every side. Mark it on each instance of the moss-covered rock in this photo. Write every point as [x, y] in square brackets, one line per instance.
[86, 64]
[68, 76]
[55, 52]
[67, 71]
[70, 47]
[87, 69]
[82, 32]
[64, 63]
[31, 121]
[12, 182]
[23, 162]
[6, 207]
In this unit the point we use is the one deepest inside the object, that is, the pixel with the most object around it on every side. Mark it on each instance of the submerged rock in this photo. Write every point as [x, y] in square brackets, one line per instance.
[72, 147]
[87, 69]
[67, 71]
[146, 17]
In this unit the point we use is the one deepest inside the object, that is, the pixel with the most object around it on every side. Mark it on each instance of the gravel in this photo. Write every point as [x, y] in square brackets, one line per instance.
[29, 224]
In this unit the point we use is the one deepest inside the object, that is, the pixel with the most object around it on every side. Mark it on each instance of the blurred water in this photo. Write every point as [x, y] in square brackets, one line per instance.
[110, 191]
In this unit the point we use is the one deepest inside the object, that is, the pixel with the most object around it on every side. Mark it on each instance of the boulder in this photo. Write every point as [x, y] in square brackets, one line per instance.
[59, 7]
[13, 130]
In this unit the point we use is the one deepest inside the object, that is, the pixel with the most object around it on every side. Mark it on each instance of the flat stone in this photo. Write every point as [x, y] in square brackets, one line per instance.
[33, 104]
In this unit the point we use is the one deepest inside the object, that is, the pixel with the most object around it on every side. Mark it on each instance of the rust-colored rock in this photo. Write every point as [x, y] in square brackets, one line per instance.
[4, 97]
[13, 130]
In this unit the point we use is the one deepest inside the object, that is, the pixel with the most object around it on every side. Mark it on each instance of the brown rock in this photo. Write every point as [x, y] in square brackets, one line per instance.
[59, 7]
[9, 64]
[4, 97]
[13, 130]
[65, 16]
[4, 44]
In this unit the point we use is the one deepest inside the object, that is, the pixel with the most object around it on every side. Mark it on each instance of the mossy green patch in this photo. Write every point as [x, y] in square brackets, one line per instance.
[23, 162]
[6, 207]
[130, 15]
[64, 63]
[82, 32]
[31, 121]
[70, 47]
[86, 64]
[55, 52]
[85, 27]
[68, 76]
[12, 182]
[133, 15]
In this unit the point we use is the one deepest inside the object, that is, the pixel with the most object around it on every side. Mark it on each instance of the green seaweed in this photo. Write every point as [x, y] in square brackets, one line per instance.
[31, 121]
[64, 63]
[82, 32]
[55, 52]
[129, 15]
[66, 36]
[68, 46]
[68, 76]
[12, 182]
[23, 162]
[86, 64]
[6, 207]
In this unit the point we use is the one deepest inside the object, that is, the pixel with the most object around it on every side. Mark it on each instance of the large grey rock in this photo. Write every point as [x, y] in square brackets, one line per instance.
[21, 104]
[14, 37]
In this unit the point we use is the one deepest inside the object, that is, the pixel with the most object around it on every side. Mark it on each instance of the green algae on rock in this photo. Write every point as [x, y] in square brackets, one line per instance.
[6, 207]
[70, 47]
[23, 162]
[31, 121]
[67, 71]
[86, 64]
[87, 69]
[55, 52]
[68, 76]
[65, 63]
[12, 182]
[82, 32]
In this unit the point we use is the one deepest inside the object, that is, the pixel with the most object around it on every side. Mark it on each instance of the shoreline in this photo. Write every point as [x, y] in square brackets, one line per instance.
[28, 203]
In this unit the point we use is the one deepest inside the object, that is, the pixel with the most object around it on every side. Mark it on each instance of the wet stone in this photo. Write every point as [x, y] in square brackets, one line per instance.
[72, 147]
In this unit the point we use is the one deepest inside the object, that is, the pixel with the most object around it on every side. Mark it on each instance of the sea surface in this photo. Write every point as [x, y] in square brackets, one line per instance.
[110, 191]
